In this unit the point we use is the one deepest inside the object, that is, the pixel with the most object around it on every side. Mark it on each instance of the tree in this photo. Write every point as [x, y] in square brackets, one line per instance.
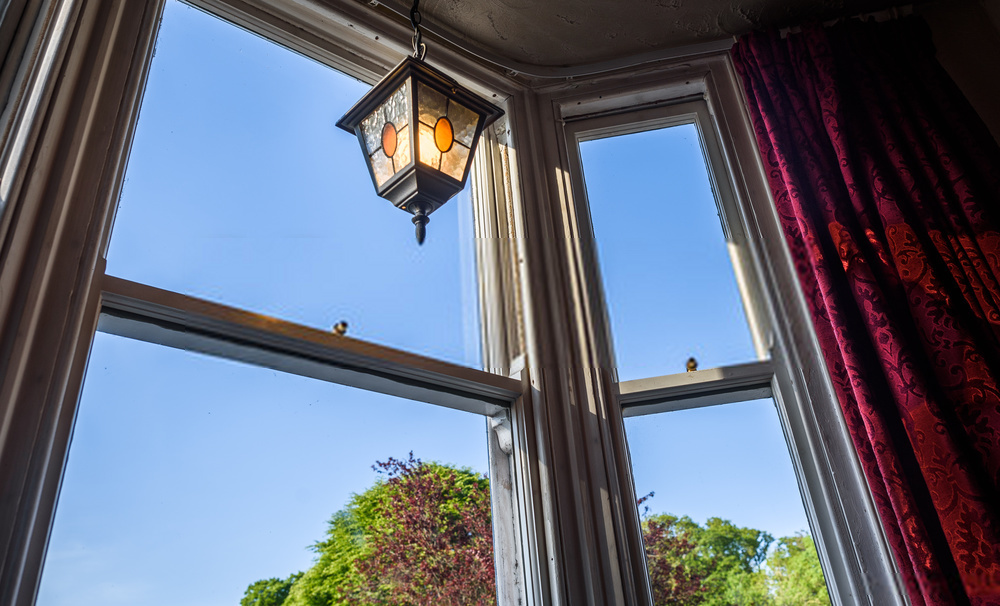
[669, 555]
[334, 579]
[269, 592]
[420, 535]
[729, 560]
[433, 540]
[796, 576]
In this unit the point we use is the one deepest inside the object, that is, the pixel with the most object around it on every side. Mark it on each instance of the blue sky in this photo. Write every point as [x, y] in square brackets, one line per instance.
[666, 270]
[671, 295]
[189, 477]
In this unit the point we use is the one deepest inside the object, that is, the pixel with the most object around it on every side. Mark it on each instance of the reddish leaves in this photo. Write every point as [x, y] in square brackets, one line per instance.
[433, 544]
[672, 581]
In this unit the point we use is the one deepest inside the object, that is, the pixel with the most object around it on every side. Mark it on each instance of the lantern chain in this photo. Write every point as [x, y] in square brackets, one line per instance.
[419, 48]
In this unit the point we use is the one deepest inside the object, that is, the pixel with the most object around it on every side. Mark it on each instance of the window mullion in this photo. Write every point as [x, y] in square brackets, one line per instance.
[73, 137]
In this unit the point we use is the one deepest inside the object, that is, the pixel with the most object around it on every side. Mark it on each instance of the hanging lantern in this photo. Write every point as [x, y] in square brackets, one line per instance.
[418, 129]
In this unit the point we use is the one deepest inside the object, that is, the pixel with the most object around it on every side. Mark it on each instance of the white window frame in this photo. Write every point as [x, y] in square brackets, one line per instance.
[551, 236]
[566, 523]
[79, 134]
[728, 384]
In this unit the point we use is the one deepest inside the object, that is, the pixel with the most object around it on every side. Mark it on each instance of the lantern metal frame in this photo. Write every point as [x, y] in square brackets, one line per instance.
[416, 187]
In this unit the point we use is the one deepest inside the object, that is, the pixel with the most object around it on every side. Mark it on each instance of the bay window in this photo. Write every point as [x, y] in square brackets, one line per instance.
[566, 524]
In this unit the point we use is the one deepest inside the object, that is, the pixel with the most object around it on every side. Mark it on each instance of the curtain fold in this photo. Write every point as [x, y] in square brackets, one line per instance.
[887, 185]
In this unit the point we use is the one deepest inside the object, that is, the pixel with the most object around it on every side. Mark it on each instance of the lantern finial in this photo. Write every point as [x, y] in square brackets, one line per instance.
[420, 219]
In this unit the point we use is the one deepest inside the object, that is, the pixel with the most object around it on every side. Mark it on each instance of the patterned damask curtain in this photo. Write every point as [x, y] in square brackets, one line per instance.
[888, 188]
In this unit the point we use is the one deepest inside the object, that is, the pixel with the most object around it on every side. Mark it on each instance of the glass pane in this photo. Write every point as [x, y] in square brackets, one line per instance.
[429, 153]
[402, 156]
[465, 121]
[240, 189]
[432, 104]
[395, 110]
[190, 478]
[453, 163]
[725, 503]
[669, 282]
[386, 135]
[444, 134]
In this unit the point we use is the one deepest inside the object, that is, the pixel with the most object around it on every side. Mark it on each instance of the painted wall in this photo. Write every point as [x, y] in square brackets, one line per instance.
[967, 36]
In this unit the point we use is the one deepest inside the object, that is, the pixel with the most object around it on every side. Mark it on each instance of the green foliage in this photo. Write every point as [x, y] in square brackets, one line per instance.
[731, 557]
[269, 592]
[796, 576]
[333, 577]
[675, 575]
[419, 535]
[721, 564]
[740, 588]
[433, 545]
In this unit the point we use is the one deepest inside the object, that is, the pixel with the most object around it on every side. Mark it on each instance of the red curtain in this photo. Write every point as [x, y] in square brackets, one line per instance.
[887, 184]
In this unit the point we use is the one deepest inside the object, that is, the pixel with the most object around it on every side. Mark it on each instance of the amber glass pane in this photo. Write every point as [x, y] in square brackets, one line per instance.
[402, 156]
[389, 139]
[395, 109]
[443, 134]
[429, 152]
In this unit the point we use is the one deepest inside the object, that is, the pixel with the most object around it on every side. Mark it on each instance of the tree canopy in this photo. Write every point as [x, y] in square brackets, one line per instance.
[269, 592]
[421, 536]
[798, 578]
[721, 564]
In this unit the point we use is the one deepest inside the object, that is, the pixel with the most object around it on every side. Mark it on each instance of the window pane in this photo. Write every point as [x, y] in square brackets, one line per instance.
[668, 279]
[240, 189]
[730, 463]
[191, 477]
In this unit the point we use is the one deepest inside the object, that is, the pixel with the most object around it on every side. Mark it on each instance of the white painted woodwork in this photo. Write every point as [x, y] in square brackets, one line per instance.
[153, 315]
[855, 558]
[59, 181]
[518, 537]
[709, 387]
[570, 433]
[851, 543]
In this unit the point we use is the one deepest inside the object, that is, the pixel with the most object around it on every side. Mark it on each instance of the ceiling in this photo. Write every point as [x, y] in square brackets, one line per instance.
[552, 36]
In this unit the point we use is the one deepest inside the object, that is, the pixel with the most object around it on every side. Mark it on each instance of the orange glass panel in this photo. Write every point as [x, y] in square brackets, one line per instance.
[444, 135]
[402, 156]
[389, 139]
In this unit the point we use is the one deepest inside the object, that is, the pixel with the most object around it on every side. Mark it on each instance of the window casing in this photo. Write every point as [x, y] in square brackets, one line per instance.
[566, 524]
[704, 89]
[744, 380]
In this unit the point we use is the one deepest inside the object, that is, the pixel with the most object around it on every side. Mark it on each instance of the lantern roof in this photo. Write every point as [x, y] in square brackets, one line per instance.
[411, 66]
[419, 186]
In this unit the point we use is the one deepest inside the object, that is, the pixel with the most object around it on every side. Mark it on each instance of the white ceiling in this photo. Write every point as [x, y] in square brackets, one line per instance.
[551, 35]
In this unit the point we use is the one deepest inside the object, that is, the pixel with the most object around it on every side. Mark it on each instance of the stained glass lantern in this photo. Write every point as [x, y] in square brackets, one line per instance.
[418, 129]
